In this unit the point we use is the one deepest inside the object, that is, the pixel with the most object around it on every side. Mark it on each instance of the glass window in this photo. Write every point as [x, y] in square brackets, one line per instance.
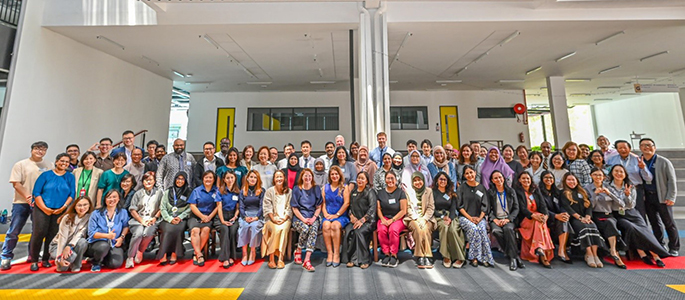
[292, 119]
[409, 118]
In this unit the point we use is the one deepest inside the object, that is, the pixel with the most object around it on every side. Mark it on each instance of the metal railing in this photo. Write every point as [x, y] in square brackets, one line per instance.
[10, 11]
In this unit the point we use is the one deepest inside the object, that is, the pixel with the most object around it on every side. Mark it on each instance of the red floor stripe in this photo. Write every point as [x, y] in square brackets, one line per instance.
[672, 263]
[183, 266]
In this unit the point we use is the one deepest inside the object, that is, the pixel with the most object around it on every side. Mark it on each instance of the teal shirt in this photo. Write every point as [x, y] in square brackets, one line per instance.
[109, 180]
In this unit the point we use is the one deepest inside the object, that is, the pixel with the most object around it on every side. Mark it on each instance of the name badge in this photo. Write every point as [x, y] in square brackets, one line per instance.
[235, 197]
[110, 225]
[183, 198]
[343, 169]
[268, 172]
[354, 194]
[237, 173]
[479, 193]
[214, 196]
[82, 192]
[447, 197]
[392, 201]
[531, 197]
[580, 196]
[189, 163]
[648, 182]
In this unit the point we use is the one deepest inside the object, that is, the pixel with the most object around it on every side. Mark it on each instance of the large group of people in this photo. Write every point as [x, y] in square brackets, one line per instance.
[532, 206]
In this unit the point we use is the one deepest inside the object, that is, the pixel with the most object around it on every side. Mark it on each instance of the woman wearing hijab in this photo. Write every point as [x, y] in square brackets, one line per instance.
[387, 166]
[419, 219]
[175, 212]
[415, 165]
[441, 163]
[343, 161]
[320, 174]
[495, 162]
[364, 164]
[292, 171]
[397, 166]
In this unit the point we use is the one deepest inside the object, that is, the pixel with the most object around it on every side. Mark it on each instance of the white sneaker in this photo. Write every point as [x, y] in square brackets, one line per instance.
[129, 263]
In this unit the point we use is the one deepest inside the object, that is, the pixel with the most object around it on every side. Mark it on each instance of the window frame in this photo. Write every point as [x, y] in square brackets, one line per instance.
[309, 120]
[408, 108]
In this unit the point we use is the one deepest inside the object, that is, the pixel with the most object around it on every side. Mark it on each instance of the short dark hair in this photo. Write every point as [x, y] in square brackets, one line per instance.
[160, 146]
[289, 145]
[330, 143]
[127, 132]
[623, 141]
[151, 142]
[274, 148]
[427, 141]
[305, 142]
[133, 181]
[208, 143]
[72, 145]
[119, 154]
[61, 155]
[641, 140]
[106, 139]
[412, 142]
[39, 144]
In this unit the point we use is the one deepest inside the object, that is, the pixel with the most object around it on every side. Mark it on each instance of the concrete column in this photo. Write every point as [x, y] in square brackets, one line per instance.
[682, 101]
[374, 101]
[559, 110]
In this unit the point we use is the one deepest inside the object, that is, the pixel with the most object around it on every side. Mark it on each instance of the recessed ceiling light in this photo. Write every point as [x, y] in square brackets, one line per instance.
[509, 38]
[580, 95]
[480, 57]
[460, 71]
[179, 74]
[565, 56]
[609, 37]
[534, 95]
[259, 82]
[150, 60]
[448, 81]
[533, 70]
[578, 80]
[510, 80]
[322, 82]
[101, 37]
[653, 55]
[676, 71]
[608, 87]
[628, 94]
[210, 40]
[603, 99]
[609, 69]
[393, 81]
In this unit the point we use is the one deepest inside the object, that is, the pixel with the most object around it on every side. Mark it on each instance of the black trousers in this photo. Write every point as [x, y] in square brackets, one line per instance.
[103, 254]
[640, 200]
[506, 238]
[228, 236]
[661, 217]
[355, 244]
[45, 229]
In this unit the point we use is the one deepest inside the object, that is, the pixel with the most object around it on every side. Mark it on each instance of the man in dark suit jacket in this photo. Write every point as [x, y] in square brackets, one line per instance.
[209, 162]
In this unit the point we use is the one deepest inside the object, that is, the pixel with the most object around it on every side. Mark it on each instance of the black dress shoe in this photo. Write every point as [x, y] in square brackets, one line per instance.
[647, 260]
[565, 260]
[474, 263]
[34, 267]
[520, 263]
[46, 264]
[660, 263]
[512, 265]
[673, 252]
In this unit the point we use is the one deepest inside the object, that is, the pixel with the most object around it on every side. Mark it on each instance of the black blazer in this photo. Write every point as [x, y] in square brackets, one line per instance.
[577, 207]
[512, 203]
[553, 202]
[523, 203]
[200, 168]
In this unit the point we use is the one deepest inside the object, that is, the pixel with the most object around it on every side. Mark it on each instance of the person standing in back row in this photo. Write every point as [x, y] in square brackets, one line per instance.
[377, 153]
[172, 163]
[660, 195]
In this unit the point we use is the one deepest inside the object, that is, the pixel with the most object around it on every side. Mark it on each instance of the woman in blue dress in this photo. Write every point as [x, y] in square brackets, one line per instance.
[335, 203]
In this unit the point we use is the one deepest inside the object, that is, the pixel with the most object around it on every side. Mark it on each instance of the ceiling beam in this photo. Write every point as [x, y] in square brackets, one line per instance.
[157, 6]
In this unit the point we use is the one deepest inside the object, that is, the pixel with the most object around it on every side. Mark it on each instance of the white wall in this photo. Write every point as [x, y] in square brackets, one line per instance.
[65, 92]
[203, 108]
[470, 126]
[658, 115]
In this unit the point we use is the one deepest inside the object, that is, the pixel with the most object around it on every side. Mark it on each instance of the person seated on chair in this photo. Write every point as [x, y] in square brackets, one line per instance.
[203, 205]
[278, 215]
[175, 212]
[445, 213]
[145, 217]
[419, 219]
[359, 231]
[306, 203]
[536, 243]
[504, 209]
[335, 203]
[392, 207]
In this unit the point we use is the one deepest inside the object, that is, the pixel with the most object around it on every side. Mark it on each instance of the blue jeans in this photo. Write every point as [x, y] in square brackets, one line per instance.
[20, 213]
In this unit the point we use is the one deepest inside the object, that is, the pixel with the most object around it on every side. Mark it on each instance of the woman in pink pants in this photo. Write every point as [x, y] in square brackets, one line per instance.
[392, 206]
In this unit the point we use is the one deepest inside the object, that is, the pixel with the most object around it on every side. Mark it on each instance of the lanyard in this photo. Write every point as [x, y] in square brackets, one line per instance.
[502, 198]
[175, 199]
[84, 183]
[651, 163]
[110, 222]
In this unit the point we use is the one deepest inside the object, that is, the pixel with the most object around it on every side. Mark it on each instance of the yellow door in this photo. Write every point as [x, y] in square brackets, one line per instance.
[225, 123]
[449, 124]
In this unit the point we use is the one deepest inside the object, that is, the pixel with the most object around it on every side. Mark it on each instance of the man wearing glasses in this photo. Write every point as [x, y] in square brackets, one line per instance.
[129, 140]
[104, 160]
[660, 195]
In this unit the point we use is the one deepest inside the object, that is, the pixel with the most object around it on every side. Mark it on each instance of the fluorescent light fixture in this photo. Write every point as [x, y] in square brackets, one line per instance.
[676, 71]
[531, 71]
[609, 37]
[101, 37]
[320, 72]
[580, 95]
[259, 82]
[578, 79]
[322, 82]
[628, 94]
[510, 80]
[603, 99]
[565, 56]
[609, 69]
[543, 88]
[448, 81]
[464, 69]
[509, 38]
[248, 72]
[653, 55]
[480, 57]
[393, 81]
[180, 93]
[211, 41]
[643, 79]
[179, 74]
[608, 87]
[534, 95]
[150, 60]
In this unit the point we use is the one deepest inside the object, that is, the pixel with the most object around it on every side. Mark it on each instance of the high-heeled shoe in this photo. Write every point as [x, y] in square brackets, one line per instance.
[590, 261]
[616, 260]
[647, 260]
[660, 263]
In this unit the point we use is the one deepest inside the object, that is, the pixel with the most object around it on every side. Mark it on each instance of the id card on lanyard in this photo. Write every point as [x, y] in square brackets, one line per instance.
[110, 226]
[175, 208]
[502, 199]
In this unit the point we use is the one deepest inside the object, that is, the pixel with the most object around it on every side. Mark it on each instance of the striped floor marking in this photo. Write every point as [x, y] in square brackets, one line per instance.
[24, 237]
[677, 287]
[123, 294]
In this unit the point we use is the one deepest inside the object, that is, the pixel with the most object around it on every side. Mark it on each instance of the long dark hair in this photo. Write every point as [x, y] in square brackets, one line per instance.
[568, 191]
[589, 157]
[518, 184]
[626, 181]
[120, 203]
[450, 185]
[71, 210]
[563, 159]
[554, 191]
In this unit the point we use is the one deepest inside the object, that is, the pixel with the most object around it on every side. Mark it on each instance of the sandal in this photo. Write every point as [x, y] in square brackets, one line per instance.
[590, 260]
[195, 260]
[201, 261]
[617, 259]
[307, 265]
[227, 264]
[280, 264]
[298, 256]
